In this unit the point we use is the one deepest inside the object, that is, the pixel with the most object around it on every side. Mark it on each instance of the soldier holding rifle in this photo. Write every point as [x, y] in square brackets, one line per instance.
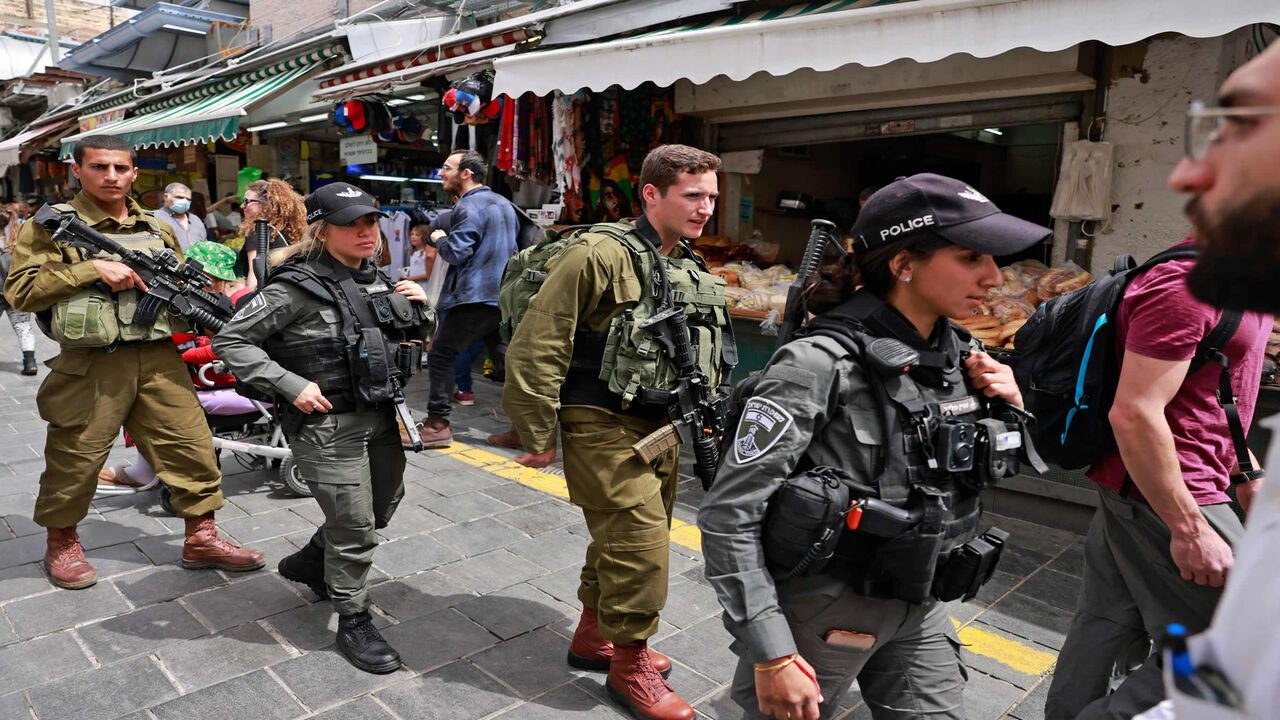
[627, 333]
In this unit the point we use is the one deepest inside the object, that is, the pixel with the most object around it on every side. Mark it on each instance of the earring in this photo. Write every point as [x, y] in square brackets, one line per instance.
[906, 279]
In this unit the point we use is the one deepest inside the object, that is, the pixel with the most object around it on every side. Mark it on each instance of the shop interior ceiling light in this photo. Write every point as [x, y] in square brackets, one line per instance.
[427, 180]
[993, 131]
[385, 178]
[268, 126]
[314, 118]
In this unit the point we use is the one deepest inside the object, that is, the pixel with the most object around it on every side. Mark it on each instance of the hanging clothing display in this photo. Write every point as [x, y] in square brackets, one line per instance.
[395, 232]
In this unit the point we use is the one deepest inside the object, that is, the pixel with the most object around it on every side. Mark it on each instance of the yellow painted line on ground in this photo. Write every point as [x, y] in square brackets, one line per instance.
[1023, 658]
[682, 533]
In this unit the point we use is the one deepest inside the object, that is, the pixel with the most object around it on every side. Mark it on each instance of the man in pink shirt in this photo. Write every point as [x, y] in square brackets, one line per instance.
[1160, 543]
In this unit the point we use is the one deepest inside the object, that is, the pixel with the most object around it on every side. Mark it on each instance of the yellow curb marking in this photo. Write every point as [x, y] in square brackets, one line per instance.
[1022, 658]
[1026, 659]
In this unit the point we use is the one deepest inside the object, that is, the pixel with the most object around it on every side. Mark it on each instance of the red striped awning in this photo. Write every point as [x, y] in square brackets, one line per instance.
[426, 56]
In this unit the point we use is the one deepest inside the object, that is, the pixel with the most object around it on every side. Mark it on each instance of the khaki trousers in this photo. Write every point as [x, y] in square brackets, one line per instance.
[627, 504]
[90, 394]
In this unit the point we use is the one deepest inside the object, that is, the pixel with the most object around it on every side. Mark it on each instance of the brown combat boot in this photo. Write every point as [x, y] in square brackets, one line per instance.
[205, 548]
[435, 433]
[508, 439]
[590, 651]
[637, 686]
[65, 560]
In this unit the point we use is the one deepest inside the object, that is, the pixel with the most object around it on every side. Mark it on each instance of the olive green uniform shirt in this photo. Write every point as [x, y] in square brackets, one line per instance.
[588, 283]
[44, 272]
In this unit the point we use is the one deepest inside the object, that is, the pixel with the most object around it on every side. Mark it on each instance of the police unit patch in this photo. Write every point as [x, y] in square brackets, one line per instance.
[762, 425]
[255, 304]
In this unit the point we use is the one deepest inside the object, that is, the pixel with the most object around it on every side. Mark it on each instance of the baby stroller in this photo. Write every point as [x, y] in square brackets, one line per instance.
[241, 426]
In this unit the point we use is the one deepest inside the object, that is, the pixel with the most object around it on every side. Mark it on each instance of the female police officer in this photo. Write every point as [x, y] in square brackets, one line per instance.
[898, 420]
[329, 334]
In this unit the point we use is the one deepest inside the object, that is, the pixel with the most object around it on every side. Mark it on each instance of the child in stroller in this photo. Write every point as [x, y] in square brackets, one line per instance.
[241, 425]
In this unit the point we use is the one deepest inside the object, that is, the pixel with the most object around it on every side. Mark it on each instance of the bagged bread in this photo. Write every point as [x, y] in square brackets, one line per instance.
[1008, 309]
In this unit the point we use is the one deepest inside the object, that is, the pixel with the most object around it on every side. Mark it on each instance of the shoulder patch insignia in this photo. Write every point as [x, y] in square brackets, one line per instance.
[255, 305]
[763, 423]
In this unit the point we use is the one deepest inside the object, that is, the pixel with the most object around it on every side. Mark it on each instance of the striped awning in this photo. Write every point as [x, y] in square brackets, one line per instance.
[829, 35]
[10, 150]
[199, 121]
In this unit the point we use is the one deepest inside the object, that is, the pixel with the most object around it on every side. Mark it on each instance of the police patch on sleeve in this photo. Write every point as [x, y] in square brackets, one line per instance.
[763, 423]
[251, 308]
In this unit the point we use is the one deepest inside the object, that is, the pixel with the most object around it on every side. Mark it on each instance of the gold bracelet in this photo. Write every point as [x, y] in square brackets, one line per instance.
[760, 667]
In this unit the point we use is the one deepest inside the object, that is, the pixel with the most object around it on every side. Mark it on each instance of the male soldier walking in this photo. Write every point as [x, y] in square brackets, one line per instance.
[112, 372]
[581, 326]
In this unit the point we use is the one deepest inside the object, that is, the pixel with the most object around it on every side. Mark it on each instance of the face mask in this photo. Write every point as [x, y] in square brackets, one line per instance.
[181, 205]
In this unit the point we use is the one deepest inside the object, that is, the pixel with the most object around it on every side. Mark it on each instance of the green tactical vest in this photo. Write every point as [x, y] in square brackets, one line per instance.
[94, 318]
[632, 357]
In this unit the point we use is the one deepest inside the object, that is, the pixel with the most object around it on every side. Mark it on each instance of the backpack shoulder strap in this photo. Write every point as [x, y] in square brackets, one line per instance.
[1183, 252]
[1210, 349]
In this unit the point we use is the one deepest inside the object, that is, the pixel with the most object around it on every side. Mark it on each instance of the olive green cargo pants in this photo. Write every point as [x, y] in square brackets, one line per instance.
[90, 394]
[627, 505]
[354, 465]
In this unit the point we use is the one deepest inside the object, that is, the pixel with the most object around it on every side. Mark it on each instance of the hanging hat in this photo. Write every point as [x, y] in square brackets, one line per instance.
[217, 260]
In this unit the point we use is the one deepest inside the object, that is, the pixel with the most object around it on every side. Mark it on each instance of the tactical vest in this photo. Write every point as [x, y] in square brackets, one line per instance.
[365, 366]
[96, 317]
[609, 369]
[930, 422]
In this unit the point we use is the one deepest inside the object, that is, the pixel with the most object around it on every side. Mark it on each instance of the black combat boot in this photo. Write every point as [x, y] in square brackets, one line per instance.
[307, 567]
[363, 645]
[28, 362]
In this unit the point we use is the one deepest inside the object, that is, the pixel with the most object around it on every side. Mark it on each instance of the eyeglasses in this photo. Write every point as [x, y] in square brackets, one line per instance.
[248, 201]
[1205, 125]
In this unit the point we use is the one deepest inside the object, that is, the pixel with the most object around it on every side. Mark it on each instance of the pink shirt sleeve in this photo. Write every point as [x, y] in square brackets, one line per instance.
[1162, 319]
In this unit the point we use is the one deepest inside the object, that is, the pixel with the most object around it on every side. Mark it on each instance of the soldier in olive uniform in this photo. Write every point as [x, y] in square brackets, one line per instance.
[554, 371]
[113, 372]
[324, 335]
[925, 254]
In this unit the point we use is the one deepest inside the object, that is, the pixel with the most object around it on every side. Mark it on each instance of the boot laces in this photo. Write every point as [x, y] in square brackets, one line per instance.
[365, 629]
[648, 680]
[68, 549]
[212, 538]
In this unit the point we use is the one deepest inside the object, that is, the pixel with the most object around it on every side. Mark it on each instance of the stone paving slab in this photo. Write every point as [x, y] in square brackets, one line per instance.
[475, 584]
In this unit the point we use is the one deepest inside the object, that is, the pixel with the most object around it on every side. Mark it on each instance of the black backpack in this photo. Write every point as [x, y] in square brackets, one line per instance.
[1066, 366]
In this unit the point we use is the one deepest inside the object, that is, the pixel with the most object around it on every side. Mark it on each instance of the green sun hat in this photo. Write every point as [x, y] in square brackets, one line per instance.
[218, 260]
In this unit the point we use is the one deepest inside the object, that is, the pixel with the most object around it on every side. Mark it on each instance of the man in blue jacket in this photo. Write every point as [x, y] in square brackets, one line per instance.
[477, 247]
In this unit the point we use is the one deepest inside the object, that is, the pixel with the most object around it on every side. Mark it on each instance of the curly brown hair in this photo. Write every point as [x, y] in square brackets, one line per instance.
[282, 207]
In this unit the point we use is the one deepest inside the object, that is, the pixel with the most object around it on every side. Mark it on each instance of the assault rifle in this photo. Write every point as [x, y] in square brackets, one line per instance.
[696, 410]
[177, 286]
[793, 316]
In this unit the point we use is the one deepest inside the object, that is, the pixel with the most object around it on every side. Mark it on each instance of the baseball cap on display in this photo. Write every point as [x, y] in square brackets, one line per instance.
[340, 203]
[946, 207]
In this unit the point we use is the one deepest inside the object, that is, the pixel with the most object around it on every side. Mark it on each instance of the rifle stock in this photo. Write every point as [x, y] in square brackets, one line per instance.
[821, 234]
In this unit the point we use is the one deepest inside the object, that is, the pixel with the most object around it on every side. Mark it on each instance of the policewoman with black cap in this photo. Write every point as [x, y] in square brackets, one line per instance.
[845, 509]
[328, 337]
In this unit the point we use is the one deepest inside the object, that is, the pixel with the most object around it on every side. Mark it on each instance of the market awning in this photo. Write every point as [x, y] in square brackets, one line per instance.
[828, 35]
[427, 63]
[161, 37]
[196, 122]
[11, 149]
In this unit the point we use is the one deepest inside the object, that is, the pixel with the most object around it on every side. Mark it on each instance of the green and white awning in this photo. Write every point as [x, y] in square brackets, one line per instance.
[198, 121]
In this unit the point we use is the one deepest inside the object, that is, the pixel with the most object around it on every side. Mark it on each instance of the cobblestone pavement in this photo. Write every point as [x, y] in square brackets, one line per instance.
[474, 585]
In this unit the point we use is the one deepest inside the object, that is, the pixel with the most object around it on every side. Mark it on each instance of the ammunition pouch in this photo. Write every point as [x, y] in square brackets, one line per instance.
[374, 366]
[803, 522]
[964, 570]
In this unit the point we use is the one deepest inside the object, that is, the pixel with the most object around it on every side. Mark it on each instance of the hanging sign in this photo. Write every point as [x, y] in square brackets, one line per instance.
[358, 149]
